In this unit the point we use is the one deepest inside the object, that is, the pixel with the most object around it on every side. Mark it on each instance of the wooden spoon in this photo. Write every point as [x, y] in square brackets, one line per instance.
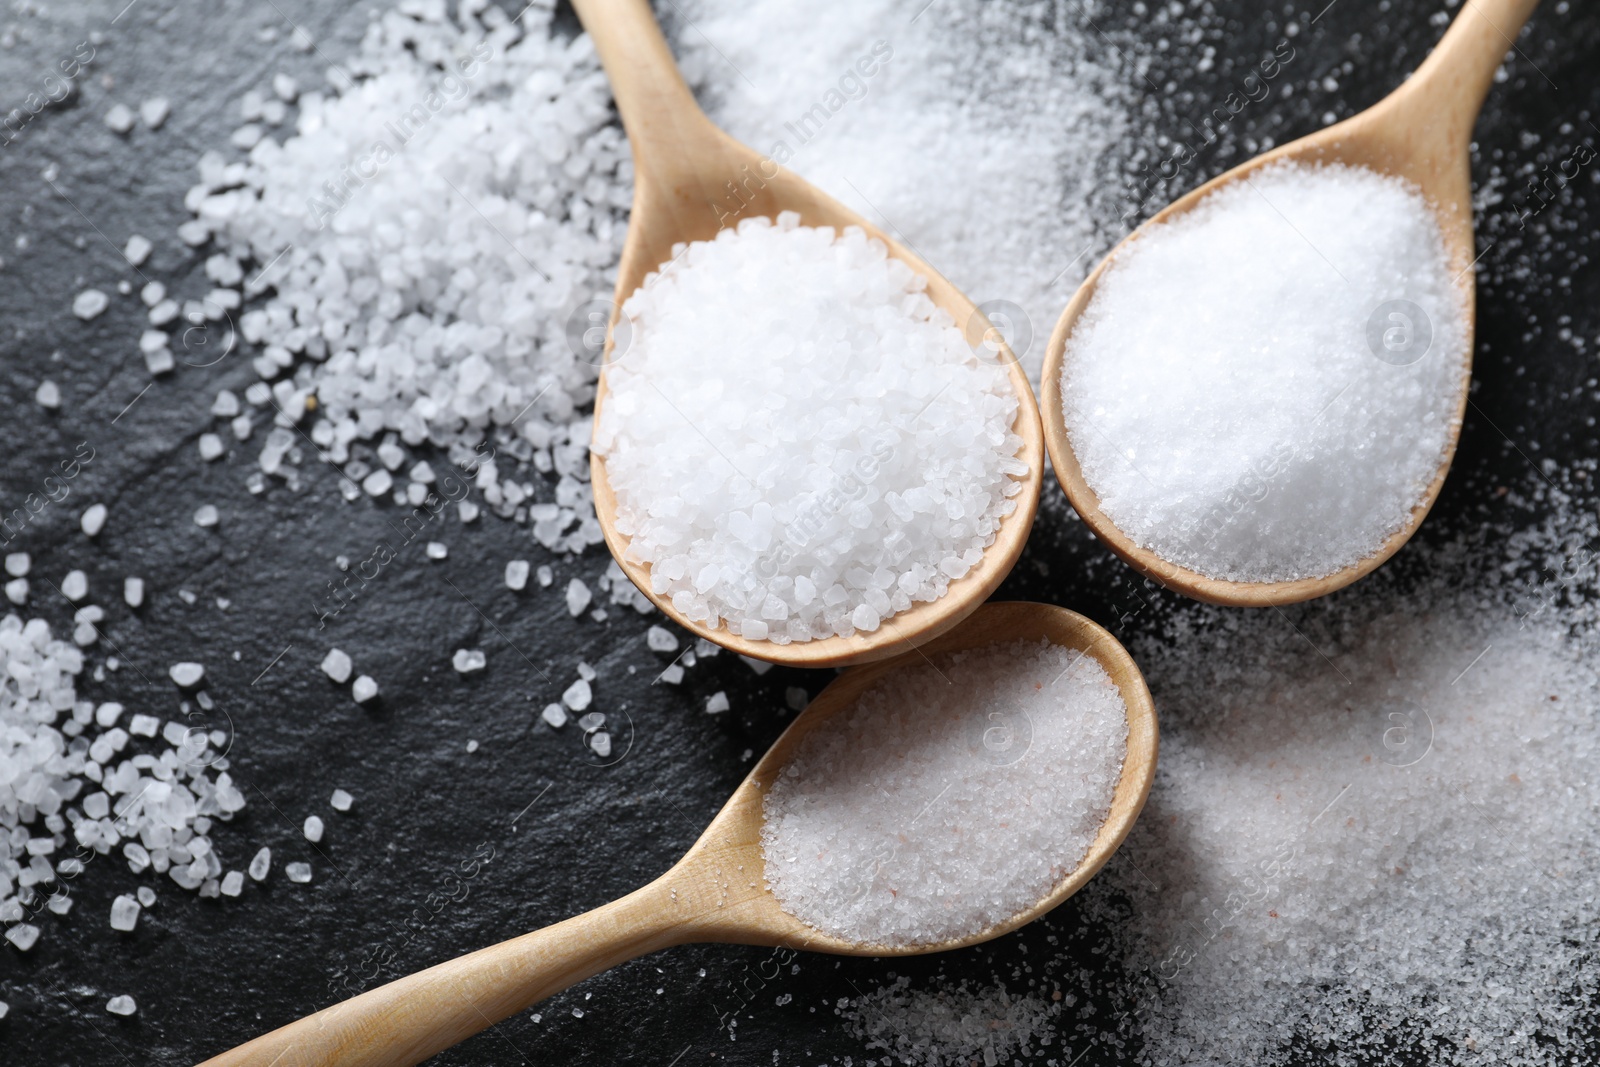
[692, 180]
[715, 893]
[1421, 133]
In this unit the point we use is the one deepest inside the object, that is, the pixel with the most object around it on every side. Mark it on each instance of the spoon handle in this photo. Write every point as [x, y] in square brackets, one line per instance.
[412, 1018]
[1450, 85]
[658, 110]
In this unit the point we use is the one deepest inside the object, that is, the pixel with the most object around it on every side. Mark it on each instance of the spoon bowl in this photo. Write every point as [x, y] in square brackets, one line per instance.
[1420, 133]
[692, 180]
[717, 892]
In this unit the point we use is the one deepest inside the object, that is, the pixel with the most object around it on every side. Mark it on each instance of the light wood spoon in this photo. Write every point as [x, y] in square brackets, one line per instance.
[690, 181]
[716, 892]
[1421, 133]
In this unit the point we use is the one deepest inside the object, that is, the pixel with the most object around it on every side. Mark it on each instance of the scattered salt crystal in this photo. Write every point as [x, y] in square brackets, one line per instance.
[578, 695]
[210, 446]
[23, 935]
[796, 698]
[466, 661]
[144, 725]
[660, 639]
[1013, 750]
[600, 743]
[717, 703]
[93, 519]
[673, 674]
[555, 715]
[48, 395]
[517, 574]
[298, 872]
[876, 363]
[586, 672]
[760, 666]
[438, 550]
[546, 576]
[472, 746]
[147, 897]
[232, 883]
[186, 675]
[124, 912]
[154, 111]
[260, 864]
[136, 251]
[578, 597]
[313, 828]
[364, 689]
[119, 117]
[336, 665]
[226, 405]
[17, 590]
[205, 516]
[378, 483]
[18, 564]
[285, 87]
[75, 586]
[89, 303]
[133, 591]
[1270, 425]
[121, 1005]
[340, 800]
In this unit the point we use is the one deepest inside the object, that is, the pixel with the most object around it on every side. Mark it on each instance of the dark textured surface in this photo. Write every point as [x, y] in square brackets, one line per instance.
[565, 835]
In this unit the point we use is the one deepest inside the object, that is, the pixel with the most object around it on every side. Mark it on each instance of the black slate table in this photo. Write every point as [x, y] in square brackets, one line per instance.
[544, 831]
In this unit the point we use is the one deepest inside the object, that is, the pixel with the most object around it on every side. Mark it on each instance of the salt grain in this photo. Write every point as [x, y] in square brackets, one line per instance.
[48, 395]
[205, 516]
[468, 661]
[555, 715]
[133, 591]
[18, 564]
[340, 800]
[298, 872]
[578, 695]
[186, 675]
[336, 665]
[364, 689]
[75, 586]
[517, 575]
[578, 597]
[232, 884]
[93, 519]
[313, 828]
[121, 1005]
[119, 118]
[124, 912]
[949, 798]
[260, 864]
[210, 446]
[717, 703]
[89, 303]
[154, 111]
[660, 640]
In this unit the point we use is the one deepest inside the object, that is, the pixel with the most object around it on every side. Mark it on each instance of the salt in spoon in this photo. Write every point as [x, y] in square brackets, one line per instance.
[690, 181]
[1421, 133]
[717, 892]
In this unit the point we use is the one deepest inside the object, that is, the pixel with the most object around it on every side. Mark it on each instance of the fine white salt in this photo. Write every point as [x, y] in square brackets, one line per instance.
[859, 466]
[186, 675]
[297, 872]
[206, 516]
[468, 660]
[119, 117]
[125, 912]
[1262, 389]
[364, 689]
[517, 575]
[340, 800]
[93, 519]
[260, 864]
[121, 1005]
[313, 828]
[48, 395]
[133, 591]
[952, 796]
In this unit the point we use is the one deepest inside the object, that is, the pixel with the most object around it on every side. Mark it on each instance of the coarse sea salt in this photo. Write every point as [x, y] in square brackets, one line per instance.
[1262, 389]
[859, 461]
[952, 796]
[451, 329]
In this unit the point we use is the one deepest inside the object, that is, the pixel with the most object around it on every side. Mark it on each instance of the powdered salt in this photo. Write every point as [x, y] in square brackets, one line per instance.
[1262, 389]
[952, 796]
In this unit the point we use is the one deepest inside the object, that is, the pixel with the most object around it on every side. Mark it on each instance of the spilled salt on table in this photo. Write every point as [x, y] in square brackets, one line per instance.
[854, 460]
[950, 797]
[1262, 389]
